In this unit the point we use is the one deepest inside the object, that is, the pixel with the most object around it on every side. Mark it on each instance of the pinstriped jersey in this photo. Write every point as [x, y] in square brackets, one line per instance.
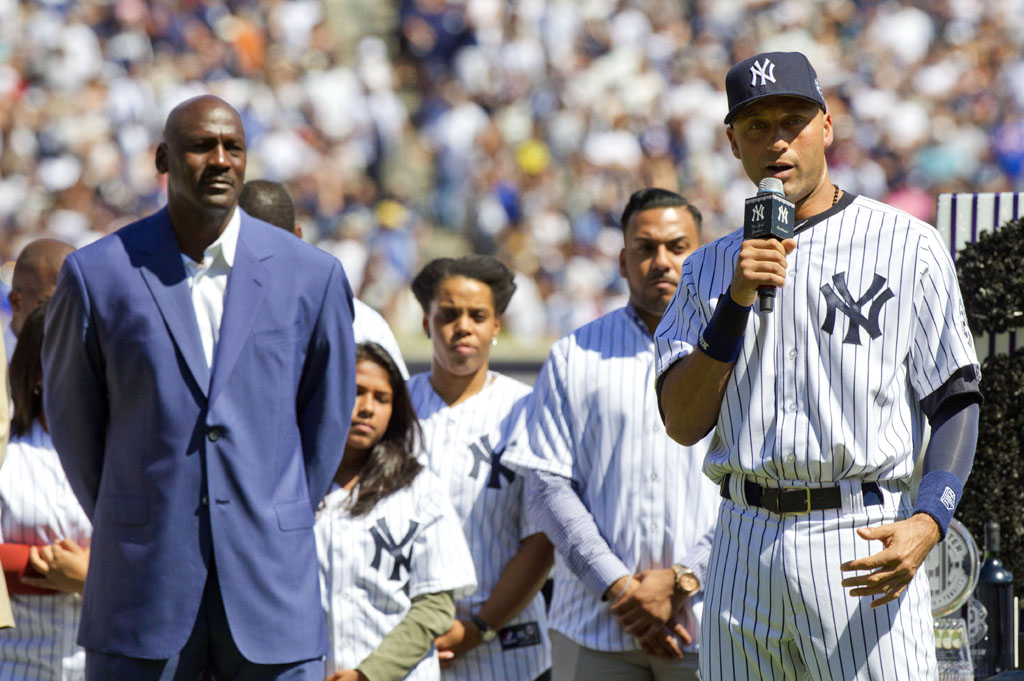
[829, 385]
[594, 418]
[37, 507]
[465, 445]
[373, 565]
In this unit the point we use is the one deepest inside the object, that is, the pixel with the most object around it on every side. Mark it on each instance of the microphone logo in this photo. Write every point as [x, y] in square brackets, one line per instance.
[769, 215]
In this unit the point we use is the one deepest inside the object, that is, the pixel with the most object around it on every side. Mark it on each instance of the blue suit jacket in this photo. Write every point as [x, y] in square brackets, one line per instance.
[152, 442]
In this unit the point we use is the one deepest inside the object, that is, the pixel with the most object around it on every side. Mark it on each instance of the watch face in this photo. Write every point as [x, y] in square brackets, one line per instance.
[952, 569]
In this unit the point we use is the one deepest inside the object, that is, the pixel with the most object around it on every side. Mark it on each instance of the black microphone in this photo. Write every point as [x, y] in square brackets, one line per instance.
[769, 214]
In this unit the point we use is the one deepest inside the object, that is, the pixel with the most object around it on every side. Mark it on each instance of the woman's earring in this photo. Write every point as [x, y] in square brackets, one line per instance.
[494, 341]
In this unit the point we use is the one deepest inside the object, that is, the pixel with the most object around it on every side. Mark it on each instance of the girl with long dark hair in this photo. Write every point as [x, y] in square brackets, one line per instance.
[391, 550]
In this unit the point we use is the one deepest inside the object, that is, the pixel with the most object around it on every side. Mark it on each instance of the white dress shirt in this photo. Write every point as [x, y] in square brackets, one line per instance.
[208, 282]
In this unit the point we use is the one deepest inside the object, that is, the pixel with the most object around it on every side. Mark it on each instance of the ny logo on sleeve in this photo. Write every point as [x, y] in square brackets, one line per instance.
[385, 543]
[484, 452]
[842, 300]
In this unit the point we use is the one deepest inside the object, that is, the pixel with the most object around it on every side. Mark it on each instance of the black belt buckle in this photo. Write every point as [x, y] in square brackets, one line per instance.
[793, 501]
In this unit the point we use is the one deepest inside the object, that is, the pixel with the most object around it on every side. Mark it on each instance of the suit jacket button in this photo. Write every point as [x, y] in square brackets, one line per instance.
[213, 434]
[205, 501]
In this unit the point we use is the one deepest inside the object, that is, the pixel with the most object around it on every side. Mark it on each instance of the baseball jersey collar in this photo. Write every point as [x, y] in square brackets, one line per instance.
[842, 204]
[637, 319]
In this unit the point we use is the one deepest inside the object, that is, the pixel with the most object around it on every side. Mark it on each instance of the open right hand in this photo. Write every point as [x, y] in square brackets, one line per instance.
[760, 262]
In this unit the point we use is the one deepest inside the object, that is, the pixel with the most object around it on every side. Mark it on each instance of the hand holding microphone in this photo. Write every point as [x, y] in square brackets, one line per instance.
[768, 224]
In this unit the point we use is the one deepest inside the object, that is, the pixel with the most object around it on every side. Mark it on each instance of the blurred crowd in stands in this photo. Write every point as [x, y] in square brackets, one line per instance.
[417, 128]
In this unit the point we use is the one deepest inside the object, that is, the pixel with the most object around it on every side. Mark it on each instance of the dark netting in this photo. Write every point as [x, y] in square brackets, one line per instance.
[991, 273]
[995, 490]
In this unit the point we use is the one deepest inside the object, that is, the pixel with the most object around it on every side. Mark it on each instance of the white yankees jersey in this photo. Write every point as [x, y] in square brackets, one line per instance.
[828, 386]
[373, 565]
[38, 507]
[594, 418]
[369, 325]
[826, 392]
[464, 446]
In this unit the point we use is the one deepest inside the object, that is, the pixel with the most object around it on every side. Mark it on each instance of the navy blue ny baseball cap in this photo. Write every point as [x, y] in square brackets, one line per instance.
[771, 74]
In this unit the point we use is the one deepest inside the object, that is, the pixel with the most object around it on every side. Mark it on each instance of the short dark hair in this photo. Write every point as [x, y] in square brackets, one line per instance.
[268, 201]
[483, 268]
[392, 463]
[654, 197]
[26, 372]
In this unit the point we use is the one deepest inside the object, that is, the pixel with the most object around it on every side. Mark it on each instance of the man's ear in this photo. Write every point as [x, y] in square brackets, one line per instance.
[732, 142]
[161, 158]
[426, 326]
[622, 263]
[298, 230]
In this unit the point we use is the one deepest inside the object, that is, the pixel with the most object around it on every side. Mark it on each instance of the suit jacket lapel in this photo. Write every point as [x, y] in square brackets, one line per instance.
[164, 274]
[242, 302]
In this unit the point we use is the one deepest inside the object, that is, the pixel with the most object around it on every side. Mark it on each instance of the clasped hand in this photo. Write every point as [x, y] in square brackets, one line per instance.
[63, 566]
[647, 608]
[459, 640]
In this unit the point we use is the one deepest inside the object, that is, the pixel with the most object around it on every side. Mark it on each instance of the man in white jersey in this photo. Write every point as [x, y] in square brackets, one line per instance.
[640, 505]
[270, 201]
[818, 408]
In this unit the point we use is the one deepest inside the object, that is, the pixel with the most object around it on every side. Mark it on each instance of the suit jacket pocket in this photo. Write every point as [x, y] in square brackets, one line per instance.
[269, 337]
[294, 515]
[124, 509]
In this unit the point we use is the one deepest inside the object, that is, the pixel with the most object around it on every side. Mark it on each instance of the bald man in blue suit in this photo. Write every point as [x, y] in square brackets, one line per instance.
[199, 379]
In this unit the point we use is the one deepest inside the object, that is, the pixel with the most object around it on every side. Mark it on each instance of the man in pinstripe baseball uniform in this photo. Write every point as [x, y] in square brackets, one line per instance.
[818, 408]
[625, 506]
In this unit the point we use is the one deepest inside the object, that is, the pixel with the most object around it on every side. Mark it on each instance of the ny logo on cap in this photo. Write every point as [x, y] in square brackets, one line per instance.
[766, 71]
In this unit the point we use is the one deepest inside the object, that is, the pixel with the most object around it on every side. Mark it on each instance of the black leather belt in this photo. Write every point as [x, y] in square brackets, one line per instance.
[784, 500]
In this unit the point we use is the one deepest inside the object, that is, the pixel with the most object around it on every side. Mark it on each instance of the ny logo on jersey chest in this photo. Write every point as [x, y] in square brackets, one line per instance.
[483, 452]
[384, 542]
[840, 299]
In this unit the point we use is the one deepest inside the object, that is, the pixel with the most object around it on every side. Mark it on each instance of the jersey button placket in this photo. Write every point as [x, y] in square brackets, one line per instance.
[339, 530]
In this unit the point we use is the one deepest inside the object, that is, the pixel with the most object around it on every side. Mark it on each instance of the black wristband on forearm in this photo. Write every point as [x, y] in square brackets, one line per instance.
[722, 338]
